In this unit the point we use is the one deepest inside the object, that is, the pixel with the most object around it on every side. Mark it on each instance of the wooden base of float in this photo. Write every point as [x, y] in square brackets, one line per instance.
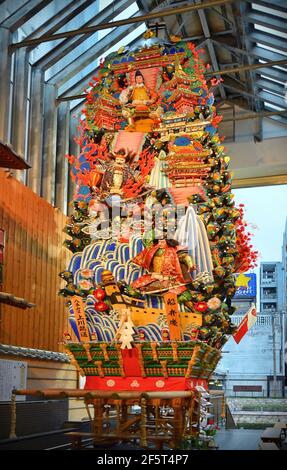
[148, 419]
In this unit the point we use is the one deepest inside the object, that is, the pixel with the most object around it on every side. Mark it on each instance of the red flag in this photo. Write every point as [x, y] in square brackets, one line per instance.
[247, 322]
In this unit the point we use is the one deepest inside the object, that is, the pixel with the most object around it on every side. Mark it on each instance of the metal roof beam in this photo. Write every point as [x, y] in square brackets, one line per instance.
[142, 4]
[162, 4]
[239, 91]
[243, 68]
[237, 80]
[210, 47]
[256, 103]
[102, 26]
[181, 24]
[224, 65]
[230, 48]
[236, 36]
[259, 114]
[201, 37]
[224, 17]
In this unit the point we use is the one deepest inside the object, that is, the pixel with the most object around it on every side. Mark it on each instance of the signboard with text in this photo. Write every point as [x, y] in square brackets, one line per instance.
[245, 286]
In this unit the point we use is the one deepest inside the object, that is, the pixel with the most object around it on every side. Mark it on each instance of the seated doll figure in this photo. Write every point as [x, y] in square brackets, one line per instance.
[137, 101]
[169, 265]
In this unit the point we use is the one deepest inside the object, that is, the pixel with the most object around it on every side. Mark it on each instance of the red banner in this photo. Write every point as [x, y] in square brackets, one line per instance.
[147, 384]
[247, 322]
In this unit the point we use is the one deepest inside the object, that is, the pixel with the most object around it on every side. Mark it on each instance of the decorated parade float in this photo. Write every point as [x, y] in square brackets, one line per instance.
[156, 240]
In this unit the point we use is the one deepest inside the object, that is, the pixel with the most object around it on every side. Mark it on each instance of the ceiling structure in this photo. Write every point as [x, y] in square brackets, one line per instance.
[50, 49]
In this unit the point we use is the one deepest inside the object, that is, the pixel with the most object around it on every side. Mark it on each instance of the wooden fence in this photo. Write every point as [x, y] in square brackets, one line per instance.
[33, 257]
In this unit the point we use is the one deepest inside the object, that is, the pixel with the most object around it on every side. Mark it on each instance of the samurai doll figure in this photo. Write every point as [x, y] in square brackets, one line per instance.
[169, 265]
[118, 173]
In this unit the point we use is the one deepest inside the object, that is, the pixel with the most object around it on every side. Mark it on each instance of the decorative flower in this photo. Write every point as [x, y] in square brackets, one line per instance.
[87, 273]
[101, 306]
[99, 294]
[76, 230]
[214, 303]
[82, 205]
[215, 81]
[85, 285]
[201, 306]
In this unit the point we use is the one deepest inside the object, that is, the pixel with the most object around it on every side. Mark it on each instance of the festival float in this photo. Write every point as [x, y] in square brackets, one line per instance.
[156, 240]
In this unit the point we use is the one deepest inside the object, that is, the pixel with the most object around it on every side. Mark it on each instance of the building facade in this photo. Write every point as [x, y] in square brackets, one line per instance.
[284, 267]
[284, 308]
[271, 286]
[250, 365]
[253, 366]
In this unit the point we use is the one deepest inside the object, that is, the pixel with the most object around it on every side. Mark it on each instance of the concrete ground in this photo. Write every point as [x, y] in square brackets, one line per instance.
[238, 439]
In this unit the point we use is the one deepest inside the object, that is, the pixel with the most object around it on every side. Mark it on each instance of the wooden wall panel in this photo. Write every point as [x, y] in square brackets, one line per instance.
[33, 257]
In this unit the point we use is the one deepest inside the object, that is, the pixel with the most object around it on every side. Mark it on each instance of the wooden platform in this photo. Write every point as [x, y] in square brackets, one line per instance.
[160, 418]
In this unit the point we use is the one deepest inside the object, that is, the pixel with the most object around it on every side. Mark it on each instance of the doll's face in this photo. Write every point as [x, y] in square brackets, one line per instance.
[139, 79]
[120, 161]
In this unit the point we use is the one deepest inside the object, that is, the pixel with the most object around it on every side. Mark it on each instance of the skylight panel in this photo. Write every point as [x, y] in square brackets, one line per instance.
[270, 11]
[280, 68]
[273, 93]
[270, 48]
[271, 79]
[273, 106]
[266, 29]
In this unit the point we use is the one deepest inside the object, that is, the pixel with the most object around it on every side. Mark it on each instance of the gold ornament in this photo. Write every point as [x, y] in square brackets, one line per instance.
[149, 34]
[174, 38]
